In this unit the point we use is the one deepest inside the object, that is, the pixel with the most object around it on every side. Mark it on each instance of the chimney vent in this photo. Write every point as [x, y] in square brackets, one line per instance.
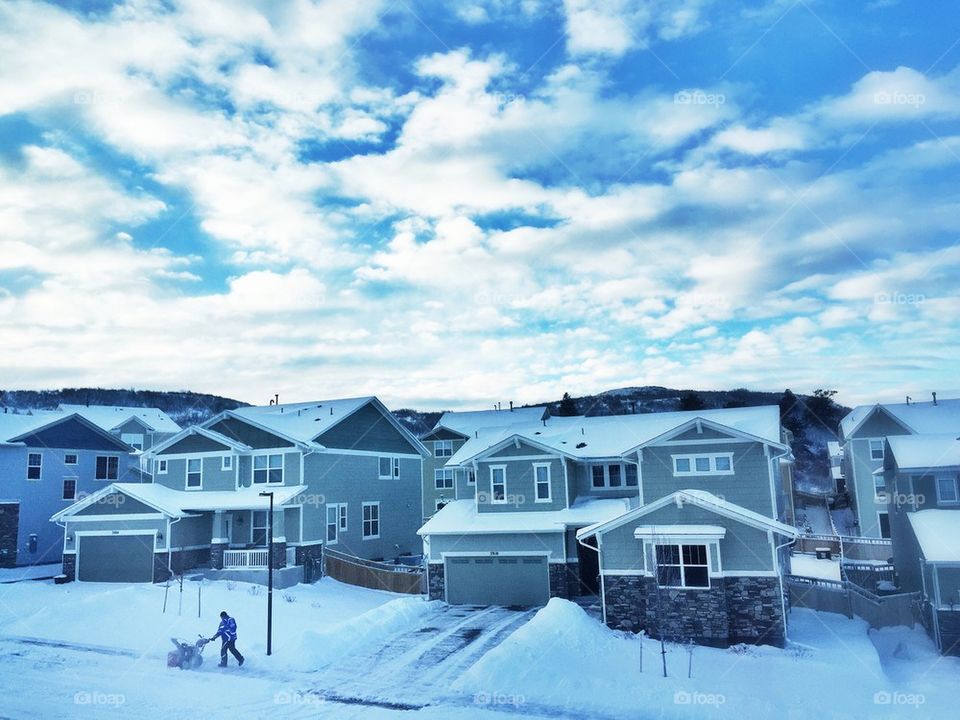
[511, 406]
[934, 398]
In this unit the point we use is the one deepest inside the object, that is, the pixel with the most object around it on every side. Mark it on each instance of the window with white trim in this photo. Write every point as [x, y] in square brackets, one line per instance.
[947, 491]
[108, 467]
[259, 528]
[69, 488]
[611, 475]
[268, 469]
[343, 517]
[442, 448]
[226, 462]
[333, 524]
[443, 479]
[160, 467]
[371, 520]
[389, 467]
[683, 566]
[134, 440]
[498, 484]
[34, 466]
[879, 487]
[70, 459]
[194, 472]
[541, 479]
[703, 464]
[876, 449]
[630, 474]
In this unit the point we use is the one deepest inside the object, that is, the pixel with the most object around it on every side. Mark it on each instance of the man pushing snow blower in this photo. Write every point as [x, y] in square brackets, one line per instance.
[228, 634]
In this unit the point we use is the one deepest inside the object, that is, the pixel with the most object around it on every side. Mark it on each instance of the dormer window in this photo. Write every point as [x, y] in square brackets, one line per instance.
[705, 464]
[876, 449]
[443, 448]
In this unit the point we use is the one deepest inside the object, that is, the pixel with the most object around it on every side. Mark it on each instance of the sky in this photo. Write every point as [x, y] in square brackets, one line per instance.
[450, 204]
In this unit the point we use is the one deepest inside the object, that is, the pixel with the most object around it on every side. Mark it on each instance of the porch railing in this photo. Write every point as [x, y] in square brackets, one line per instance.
[257, 558]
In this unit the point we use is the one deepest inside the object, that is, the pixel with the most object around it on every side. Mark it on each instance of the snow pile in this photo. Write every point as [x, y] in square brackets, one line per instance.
[809, 566]
[320, 648]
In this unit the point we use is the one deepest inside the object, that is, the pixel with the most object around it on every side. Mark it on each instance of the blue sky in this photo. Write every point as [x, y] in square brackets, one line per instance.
[450, 204]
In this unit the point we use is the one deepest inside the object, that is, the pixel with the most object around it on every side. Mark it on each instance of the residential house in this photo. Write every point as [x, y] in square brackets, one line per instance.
[679, 521]
[922, 473]
[139, 427]
[442, 484]
[343, 474]
[48, 460]
[862, 434]
[835, 454]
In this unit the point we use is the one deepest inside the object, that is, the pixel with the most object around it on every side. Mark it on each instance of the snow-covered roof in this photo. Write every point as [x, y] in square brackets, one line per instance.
[462, 517]
[16, 424]
[938, 532]
[196, 430]
[181, 503]
[925, 451]
[919, 417]
[110, 417]
[467, 423]
[612, 436]
[697, 498]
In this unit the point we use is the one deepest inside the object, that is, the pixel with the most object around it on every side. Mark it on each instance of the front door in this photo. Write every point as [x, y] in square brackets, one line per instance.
[589, 561]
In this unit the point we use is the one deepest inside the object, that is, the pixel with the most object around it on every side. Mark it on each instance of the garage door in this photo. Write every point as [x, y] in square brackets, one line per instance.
[115, 558]
[485, 580]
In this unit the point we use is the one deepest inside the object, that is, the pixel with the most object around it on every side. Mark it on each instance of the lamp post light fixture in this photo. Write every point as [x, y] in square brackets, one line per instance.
[269, 494]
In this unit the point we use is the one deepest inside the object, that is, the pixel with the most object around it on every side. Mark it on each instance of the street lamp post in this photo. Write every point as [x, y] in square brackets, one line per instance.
[269, 494]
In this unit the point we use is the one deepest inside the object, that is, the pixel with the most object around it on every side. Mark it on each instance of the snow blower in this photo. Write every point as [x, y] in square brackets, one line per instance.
[186, 656]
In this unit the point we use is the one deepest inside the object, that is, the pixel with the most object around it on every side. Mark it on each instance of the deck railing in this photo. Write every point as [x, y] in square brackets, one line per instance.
[244, 559]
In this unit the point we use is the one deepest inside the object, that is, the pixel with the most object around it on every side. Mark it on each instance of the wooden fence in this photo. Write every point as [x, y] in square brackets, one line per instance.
[850, 548]
[848, 599]
[375, 575]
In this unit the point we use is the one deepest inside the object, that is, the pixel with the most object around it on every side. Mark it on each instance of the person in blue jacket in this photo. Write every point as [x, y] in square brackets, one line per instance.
[227, 632]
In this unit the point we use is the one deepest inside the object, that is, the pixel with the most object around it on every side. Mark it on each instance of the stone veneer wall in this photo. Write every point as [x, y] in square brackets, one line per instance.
[70, 566]
[565, 580]
[436, 582]
[733, 610]
[310, 557]
[278, 554]
[9, 527]
[216, 555]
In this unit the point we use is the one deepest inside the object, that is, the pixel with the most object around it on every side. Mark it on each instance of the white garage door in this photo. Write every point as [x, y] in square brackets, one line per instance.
[522, 580]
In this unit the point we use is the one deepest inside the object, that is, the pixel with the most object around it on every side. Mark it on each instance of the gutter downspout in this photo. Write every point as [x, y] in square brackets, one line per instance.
[603, 589]
[783, 597]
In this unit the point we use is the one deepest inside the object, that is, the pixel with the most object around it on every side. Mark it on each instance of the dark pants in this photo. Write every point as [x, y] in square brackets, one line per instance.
[229, 645]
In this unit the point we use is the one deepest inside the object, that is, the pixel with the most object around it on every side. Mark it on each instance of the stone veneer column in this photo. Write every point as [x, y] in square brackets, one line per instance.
[219, 542]
[70, 566]
[436, 581]
[278, 551]
[9, 528]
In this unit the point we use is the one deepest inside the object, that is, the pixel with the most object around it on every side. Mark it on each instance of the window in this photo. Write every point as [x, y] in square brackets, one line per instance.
[389, 468]
[682, 566]
[465, 476]
[611, 476]
[69, 488]
[443, 479]
[498, 484]
[541, 476]
[226, 462]
[598, 479]
[108, 467]
[161, 467]
[134, 440]
[876, 449]
[333, 524]
[719, 464]
[630, 472]
[879, 487]
[471, 477]
[259, 528]
[268, 469]
[34, 463]
[343, 517]
[194, 472]
[371, 520]
[884, 521]
[70, 459]
[443, 448]
[947, 490]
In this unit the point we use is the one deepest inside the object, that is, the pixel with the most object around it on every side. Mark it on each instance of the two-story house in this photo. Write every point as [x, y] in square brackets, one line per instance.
[441, 484]
[862, 434]
[139, 427]
[48, 460]
[342, 473]
[922, 474]
[674, 519]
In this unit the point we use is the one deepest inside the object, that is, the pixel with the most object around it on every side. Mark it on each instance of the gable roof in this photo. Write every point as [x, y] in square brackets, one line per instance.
[612, 436]
[46, 421]
[198, 430]
[917, 417]
[917, 452]
[110, 417]
[469, 422]
[701, 499]
[16, 424]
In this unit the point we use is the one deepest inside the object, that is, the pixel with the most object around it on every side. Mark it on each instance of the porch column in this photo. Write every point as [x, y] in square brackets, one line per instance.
[219, 540]
[278, 550]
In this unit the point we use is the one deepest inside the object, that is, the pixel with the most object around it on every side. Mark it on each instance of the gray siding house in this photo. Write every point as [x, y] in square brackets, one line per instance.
[862, 434]
[49, 460]
[688, 508]
[344, 474]
[922, 474]
[442, 484]
[139, 427]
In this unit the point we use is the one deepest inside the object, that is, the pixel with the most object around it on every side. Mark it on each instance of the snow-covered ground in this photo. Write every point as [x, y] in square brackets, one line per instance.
[809, 566]
[85, 650]
[28, 572]
[813, 518]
